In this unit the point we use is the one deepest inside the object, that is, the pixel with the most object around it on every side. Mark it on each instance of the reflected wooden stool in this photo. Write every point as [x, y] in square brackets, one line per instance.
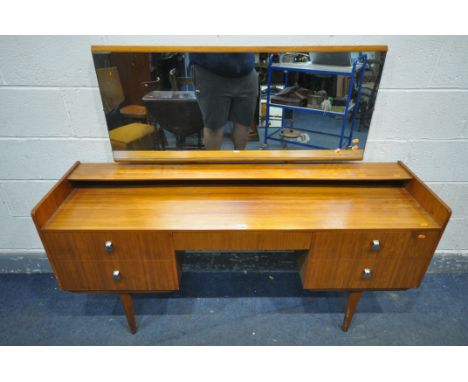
[134, 136]
[134, 112]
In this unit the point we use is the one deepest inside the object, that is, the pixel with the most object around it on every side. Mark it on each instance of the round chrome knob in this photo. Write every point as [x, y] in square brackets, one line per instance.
[366, 274]
[375, 245]
[116, 275]
[108, 246]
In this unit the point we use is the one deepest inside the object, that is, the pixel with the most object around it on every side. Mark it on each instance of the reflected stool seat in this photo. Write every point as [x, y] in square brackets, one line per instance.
[133, 111]
[134, 136]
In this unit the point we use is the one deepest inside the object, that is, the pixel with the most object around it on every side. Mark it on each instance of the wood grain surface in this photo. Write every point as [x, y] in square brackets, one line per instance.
[439, 210]
[358, 244]
[146, 260]
[234, 49]
[89, 246]
[242, 156]
[345, 274]
[136, 275]
[102, 172]
[351, 305]
[239, 207]
[337, 259]
[49, 204]
[241, 240]
[331, 211]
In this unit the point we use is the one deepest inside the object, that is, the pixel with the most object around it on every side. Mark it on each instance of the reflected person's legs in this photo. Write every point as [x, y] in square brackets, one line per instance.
[213, 138]
[240, 136]
[242, 111]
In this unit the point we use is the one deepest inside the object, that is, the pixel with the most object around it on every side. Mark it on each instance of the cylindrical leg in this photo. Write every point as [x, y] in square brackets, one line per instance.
[127, 303]
[353, 300]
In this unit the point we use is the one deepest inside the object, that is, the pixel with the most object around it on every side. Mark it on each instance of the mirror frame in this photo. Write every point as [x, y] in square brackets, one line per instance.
[236, 156]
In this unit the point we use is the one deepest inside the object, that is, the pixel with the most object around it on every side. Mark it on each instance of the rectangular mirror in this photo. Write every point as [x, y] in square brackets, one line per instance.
[298, 103]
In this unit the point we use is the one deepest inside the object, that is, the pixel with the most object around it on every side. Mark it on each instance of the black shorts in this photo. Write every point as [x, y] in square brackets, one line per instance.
[223, 99]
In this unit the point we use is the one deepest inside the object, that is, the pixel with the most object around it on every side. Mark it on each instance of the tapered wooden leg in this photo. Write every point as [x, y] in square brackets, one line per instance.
[127, 303]
[353, 300]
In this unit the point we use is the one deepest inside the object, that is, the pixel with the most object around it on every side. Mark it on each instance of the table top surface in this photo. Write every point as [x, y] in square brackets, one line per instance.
[225, 207]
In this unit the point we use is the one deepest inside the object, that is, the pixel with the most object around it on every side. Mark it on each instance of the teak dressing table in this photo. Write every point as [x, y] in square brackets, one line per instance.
[116, 227]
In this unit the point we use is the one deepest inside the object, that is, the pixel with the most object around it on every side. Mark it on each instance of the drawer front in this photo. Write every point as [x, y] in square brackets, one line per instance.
[364, 274]
[117, 275]
[241, 240]
[376, 244]
[109, 246]
[352, 260]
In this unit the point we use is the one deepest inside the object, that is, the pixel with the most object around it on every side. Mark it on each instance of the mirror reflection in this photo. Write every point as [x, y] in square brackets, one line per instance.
[238, 101]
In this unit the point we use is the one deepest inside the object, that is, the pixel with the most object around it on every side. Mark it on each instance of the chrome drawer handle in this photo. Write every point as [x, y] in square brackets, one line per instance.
[366, 274]
[108, 246]
[375, 245]
[116, 275]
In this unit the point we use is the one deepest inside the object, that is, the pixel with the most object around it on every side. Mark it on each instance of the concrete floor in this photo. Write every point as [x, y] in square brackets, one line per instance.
[234, 308]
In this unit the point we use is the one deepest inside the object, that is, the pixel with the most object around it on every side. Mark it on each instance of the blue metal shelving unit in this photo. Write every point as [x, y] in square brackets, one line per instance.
[356, 73]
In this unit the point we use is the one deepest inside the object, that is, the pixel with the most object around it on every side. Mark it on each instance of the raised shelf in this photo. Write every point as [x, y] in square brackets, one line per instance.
[234, 156]
[307, 172]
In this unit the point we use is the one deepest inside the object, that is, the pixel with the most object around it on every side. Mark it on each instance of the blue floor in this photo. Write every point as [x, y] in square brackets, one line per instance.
[302, 120]
[319, 123]
[234, 308]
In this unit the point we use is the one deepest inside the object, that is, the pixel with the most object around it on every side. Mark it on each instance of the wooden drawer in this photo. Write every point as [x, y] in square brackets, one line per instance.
[91, 246]
[337, 260]
[360, 244]
[241, 240]
[137, 275]
[348, 274]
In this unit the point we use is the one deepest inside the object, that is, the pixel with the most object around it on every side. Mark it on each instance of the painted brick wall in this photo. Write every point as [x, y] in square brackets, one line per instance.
[51, 116]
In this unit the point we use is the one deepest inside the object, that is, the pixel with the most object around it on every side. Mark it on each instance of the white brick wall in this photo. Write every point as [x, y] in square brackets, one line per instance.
[51, 116]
